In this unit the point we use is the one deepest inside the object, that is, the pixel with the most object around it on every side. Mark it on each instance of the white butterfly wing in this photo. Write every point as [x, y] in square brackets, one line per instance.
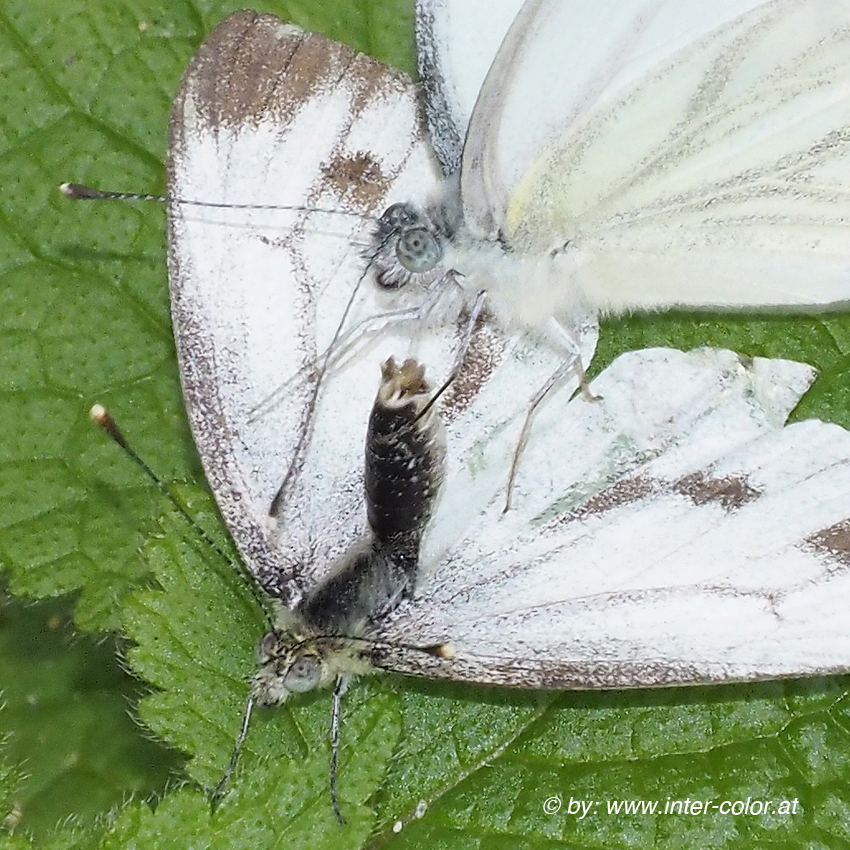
[689, 154]
[269, 118]
[679, 535]
[453, 65]
[268, 115]
[629, 514]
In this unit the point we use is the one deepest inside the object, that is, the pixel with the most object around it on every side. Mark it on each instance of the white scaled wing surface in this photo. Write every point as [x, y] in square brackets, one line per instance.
[271, 123]
[672, 533]
[269, 118]
[675, 531]
[679, 153]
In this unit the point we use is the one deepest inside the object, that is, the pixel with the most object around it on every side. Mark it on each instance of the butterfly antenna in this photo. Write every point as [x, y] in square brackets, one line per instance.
[237, 750]
[445, 651]
[104, 419]
[79, 192]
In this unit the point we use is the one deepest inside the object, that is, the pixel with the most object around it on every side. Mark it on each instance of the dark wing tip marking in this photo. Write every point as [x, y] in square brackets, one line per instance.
[254, 67]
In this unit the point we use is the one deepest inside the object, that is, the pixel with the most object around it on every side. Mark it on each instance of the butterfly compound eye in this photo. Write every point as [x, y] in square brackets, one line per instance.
[417, 250]
[406, 242]
[303, 675]
[398, 217]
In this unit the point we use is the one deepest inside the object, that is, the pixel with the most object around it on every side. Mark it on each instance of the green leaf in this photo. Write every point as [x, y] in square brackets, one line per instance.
[87, 86]
[70, 748]
[11, 781]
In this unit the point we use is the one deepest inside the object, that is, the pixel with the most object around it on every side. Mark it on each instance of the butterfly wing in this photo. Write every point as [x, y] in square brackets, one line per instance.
[270, 120]
[453, 66]
[667, 478]
[668, 537]
[691, 154]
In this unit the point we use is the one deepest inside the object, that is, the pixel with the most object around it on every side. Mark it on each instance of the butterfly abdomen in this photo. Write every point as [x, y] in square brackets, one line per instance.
[404, 460]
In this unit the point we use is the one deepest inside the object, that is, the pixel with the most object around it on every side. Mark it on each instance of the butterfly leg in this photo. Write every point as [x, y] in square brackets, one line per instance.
[336, 717]
[557, 334]
[376, 325]
[463, 348]
[572, 365]
[565, 369]
[237, 749]
[352, 341]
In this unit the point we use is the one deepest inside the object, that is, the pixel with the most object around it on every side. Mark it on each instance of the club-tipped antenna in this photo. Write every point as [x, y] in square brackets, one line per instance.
[104, 419]
[80, 192]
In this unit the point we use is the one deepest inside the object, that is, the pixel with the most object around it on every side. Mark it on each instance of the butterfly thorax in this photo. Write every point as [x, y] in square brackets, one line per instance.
[434, 246]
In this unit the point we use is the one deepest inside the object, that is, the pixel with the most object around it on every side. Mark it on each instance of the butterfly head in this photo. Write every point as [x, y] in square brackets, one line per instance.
[290, 664]
[409, 244]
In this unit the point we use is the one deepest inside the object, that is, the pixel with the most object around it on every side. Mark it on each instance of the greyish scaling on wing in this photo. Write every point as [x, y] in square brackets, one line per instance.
[659, 155]
[674, 531]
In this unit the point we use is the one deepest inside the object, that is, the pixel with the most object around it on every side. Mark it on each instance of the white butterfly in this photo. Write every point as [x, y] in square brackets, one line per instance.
[643, 155]
[675, 532]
